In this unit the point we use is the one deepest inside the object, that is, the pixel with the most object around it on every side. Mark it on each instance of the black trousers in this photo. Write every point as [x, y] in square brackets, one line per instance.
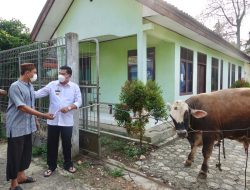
[54, 132]
[19, 153]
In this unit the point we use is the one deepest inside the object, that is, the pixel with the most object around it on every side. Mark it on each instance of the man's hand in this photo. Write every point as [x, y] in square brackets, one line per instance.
[49, 116]
[65, 110]
[37, 123]
[3, 92]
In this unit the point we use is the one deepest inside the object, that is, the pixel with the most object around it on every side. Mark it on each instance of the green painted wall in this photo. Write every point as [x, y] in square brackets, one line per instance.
[164, 65]
[102, 18]
[114, 66]
[172, 58]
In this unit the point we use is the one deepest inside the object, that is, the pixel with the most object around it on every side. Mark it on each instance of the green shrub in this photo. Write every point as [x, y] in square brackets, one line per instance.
[240, 84]
[138, 102]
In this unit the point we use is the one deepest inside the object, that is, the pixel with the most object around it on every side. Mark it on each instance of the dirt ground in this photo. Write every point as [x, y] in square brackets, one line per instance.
[97, 175]
[94, 172]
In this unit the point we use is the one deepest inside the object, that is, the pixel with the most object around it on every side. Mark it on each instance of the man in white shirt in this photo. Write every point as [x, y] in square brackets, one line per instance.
[64, 97]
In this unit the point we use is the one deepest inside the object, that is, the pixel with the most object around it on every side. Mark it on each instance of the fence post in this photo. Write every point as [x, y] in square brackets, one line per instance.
[72, 60]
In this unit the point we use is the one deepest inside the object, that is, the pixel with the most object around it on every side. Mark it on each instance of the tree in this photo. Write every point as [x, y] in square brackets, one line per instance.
[229, 12]
[13, 34]
[247, 46]
[143, 101]
[224, 31]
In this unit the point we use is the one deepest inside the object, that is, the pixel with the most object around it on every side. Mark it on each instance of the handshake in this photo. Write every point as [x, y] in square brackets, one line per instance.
[49, 116]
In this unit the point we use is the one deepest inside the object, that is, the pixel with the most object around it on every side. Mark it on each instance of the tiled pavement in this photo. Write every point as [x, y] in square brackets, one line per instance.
[167, 163]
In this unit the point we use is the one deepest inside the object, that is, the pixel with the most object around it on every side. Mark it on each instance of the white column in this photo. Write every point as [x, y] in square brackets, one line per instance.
[209, 73]
[195, 66]
[142, 56]
[72, 56]
[177, 72]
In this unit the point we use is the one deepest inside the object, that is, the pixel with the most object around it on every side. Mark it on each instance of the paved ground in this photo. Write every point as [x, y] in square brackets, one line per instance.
[167, 163]
[64, 181]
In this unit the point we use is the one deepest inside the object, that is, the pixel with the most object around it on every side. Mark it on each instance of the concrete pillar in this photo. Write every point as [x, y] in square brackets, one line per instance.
[195, 72]
[142, 56]
[209, 73]
[72, 56]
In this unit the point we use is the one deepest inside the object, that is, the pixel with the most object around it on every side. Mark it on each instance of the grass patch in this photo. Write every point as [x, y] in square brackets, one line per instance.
[125, 147]
[2, 133]
[117, 172]
[40, 151]
[82, 166]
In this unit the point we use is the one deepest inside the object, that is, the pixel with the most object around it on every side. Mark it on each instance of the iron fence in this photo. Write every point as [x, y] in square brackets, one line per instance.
[47, 57]
[89, 85]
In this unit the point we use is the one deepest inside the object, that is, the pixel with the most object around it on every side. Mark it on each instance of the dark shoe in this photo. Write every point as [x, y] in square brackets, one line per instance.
[48, 173]
[16, 188]
[28, 180]
[71, 169]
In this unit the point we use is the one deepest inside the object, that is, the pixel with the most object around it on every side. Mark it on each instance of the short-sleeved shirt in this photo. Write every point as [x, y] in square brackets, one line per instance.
[19, 123]
[61, 96]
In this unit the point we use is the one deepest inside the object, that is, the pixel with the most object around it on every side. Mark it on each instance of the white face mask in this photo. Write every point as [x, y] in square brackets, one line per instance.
[61, 78]
[34, 78]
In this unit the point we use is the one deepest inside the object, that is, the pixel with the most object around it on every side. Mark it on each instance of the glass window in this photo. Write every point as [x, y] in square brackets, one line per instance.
[221, 74]
[214, 77]
[233, 74]
[239, 73]
[132, 64]
[186, 71]
[228, 80]
[85, 70]
[201, 73]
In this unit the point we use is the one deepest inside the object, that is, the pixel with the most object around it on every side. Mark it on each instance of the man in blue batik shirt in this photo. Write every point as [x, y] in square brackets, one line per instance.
[20, 124]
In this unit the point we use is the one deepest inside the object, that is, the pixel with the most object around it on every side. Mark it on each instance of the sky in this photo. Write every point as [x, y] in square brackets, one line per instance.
[27, 11]
[195, 7]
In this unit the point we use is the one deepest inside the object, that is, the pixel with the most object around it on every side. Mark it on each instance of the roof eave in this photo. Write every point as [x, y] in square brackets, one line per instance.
[168, 10]
[41, 19]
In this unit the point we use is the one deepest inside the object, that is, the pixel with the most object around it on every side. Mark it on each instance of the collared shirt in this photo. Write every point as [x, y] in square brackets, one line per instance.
[19, 123]
[61, 96]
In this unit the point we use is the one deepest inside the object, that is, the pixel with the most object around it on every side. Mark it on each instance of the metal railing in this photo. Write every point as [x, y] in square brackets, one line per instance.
[47, 57]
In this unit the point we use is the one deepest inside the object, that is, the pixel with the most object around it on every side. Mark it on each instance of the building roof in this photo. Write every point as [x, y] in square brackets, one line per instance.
[166, 15]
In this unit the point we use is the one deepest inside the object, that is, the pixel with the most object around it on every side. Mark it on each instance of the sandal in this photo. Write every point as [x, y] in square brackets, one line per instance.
[29, 179]
[48, 173]
[16, 188]
[71, 170]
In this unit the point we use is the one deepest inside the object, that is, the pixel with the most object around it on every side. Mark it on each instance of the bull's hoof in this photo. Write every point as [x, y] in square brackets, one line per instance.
[188, 163]
[202, 175]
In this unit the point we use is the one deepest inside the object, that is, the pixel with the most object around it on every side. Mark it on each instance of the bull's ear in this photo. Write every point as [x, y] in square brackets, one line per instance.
[198, 113]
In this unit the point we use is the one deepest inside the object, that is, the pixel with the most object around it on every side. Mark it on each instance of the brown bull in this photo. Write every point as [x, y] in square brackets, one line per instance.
[209, 117]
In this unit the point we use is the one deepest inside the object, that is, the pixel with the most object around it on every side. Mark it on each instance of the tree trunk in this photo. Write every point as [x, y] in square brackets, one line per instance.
[238, 35]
